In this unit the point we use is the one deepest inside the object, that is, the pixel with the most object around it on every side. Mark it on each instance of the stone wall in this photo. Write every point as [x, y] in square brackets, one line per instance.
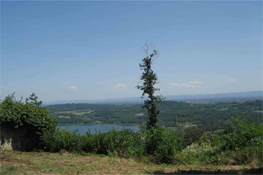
[14, 139]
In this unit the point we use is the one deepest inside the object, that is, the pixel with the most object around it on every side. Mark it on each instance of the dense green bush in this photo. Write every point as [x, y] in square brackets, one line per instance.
[124, 143]
[30, 116]
[164, 143]
[241, 134]
[200, 152]
[192, 135]
[94, 143]
[241, 143]
[62, 139]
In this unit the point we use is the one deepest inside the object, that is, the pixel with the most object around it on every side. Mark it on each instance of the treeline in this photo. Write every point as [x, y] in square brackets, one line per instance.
[208, 116]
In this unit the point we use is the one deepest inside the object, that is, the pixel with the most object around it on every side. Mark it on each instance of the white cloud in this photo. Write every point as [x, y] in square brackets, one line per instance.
[72, 87]
[121, 86]
[233, 80]
[218, 83]
[195, 82]
[192, 84]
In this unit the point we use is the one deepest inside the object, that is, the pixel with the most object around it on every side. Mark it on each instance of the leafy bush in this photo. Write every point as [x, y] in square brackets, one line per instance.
[242, 134]
[94, 143]
[125, 143]
[192, 135]
[200, 152]
[62, 139]
[241, 143]
[28, 115]
[255, 151]
[164, 143]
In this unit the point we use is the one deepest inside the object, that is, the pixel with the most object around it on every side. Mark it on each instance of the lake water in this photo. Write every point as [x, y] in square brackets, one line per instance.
[100, 128]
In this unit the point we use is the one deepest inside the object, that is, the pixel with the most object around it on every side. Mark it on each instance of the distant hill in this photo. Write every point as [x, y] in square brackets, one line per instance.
[250, 95]
[104, 101]
[220, 96]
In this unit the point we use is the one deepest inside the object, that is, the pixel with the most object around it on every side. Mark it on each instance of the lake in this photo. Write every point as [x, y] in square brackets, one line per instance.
[100, 128]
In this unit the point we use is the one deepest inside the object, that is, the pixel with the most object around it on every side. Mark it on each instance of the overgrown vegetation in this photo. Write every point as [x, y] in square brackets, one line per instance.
[30, 116]
[240, 143]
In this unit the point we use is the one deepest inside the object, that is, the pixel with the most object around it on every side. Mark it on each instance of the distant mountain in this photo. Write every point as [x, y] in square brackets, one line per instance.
[251, 95]
[128, 100]
[220, 96]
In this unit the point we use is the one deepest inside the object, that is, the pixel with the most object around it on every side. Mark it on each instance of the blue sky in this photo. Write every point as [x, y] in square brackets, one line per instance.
[92, 50]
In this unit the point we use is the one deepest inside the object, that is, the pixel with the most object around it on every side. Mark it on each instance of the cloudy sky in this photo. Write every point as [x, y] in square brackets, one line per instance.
[92, 50]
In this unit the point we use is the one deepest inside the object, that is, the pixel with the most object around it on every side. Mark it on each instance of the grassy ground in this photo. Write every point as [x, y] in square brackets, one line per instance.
[14, 162]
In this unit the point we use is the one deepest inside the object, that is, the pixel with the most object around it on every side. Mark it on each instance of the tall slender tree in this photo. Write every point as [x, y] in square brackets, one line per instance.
[149, 79]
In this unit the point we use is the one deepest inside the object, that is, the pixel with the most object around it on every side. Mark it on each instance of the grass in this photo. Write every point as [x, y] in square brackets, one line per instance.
[259, 111]
[14, 162]
[63, 116]
[7, 170]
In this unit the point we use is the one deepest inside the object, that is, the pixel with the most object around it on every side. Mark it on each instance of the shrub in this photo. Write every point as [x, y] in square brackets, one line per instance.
[255, 151]
[94, 143]
[164, 143]
[29, 115]
[242, 134]
[124, 143]
[200, 152]
[62, 139]
[192, 134]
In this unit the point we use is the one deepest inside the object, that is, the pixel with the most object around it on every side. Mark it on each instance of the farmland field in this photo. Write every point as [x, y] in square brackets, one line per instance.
[172, 113]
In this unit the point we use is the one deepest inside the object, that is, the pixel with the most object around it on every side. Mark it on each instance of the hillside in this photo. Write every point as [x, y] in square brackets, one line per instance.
[172, 113]
[250, 95]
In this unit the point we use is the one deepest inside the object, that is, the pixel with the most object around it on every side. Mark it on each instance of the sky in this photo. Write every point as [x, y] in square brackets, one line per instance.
[92, 50]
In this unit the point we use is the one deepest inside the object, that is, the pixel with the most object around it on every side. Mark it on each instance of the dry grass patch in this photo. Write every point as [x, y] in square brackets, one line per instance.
[14, 162]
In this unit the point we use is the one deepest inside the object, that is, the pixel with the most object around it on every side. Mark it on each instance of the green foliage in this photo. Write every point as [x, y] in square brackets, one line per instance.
[123, 143]
[241, 134]
[149, 79]
[33, 100]
[206, 116]
[62, 139]
[241, 143]
[29, 115]
[199, 152]
[165, 144]
[94, 143]
[192, 134]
